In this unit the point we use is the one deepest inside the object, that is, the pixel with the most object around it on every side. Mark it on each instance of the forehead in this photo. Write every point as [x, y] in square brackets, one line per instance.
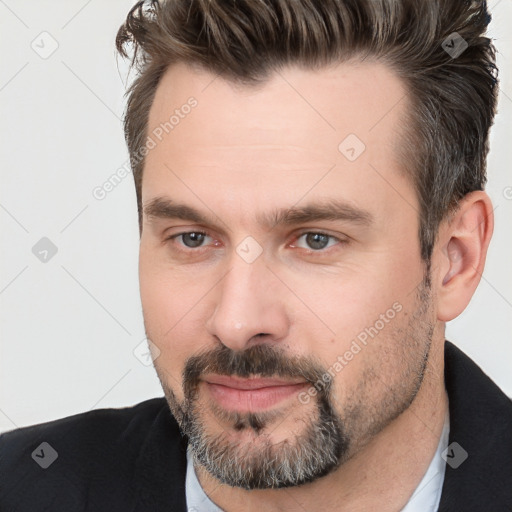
[277, 139]
[364, 98]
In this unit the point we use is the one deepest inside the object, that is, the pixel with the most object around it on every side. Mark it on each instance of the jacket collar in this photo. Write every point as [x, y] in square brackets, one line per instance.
[481, 425]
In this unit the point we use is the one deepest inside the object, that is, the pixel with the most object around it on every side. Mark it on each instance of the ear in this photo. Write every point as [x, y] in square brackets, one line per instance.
[460, 254]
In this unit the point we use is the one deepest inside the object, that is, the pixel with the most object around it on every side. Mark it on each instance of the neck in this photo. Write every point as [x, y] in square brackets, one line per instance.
[382, 476]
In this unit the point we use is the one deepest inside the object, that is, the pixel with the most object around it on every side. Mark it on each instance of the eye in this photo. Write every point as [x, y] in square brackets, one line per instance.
[316, 241]
[191, 239]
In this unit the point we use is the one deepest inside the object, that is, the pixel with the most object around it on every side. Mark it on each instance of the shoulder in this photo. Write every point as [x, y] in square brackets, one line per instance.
[93, 430]
[117, 417]
[474, 397]
[80, 457]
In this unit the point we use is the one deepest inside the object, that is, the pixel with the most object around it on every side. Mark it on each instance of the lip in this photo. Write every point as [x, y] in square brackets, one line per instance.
[250, 395]
[251, 383]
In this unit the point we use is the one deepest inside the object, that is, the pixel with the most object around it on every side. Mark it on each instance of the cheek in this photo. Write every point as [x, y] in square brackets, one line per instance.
[170, 308]
[339, 310]
[359, 323]
[166, 296]
[372, 367]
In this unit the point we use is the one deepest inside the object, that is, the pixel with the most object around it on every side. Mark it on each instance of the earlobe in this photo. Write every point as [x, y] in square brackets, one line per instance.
[461, 252]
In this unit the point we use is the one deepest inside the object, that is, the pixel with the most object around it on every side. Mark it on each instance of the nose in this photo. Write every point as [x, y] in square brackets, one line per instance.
[249, 306]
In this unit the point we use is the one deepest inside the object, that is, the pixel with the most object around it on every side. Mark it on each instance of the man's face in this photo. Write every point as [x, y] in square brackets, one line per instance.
[287, 299]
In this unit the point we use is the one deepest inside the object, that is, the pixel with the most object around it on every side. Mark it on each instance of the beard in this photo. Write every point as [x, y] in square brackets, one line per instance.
[328, 438]
[262, 465]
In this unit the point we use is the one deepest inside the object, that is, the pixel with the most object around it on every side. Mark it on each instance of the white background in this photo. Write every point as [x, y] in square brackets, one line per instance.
[69, 326]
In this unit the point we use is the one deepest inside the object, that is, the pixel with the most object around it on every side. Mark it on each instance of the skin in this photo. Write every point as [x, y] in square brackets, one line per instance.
[247, 151]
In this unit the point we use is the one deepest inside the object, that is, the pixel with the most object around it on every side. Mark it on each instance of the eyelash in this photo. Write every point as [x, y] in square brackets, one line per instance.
[297, 237]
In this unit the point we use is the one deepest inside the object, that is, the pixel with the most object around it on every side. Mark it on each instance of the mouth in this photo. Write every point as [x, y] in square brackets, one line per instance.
[253, 394]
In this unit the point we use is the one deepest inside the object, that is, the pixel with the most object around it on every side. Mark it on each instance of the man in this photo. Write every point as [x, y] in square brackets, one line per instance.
[309, 179]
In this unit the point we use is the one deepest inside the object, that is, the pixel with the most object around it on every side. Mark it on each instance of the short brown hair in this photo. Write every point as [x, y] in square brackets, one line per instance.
[452, 97]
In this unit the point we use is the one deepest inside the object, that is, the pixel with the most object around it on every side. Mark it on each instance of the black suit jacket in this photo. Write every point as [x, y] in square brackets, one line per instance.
[134, 459]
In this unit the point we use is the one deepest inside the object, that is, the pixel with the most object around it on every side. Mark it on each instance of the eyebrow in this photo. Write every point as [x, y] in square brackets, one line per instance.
[328, 210]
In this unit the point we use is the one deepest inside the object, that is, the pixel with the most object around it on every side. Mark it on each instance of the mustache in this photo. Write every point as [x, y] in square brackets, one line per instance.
[262, 360]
